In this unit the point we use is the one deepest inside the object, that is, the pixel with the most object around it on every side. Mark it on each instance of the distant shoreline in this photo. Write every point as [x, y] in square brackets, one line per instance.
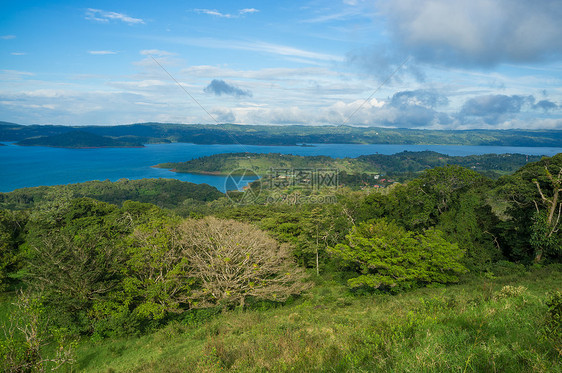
[81, 147]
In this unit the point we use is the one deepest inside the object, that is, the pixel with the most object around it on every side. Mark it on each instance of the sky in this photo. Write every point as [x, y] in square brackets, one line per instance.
[434, 64]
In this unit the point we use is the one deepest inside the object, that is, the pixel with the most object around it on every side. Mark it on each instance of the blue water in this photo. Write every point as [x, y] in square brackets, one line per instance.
[33, 166]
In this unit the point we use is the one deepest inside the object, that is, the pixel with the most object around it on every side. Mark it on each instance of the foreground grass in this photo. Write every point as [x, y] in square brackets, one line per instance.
[479, 326]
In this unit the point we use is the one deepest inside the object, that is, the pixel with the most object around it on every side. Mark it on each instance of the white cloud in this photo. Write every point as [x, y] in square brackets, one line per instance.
[320, 75]
[156, 52]
[7, 37]
[16, 72]
[216, 13]
[248, 10]
[286, 51]
[18, 53]
[102, 52]
[104, 17]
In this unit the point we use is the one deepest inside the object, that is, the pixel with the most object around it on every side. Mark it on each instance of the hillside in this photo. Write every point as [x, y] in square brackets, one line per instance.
[400, 164]
[451, 271]
[166, 193]
[78, 140]
[290, 134]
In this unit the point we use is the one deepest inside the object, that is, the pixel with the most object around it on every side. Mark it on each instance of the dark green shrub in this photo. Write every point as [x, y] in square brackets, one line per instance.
[553, 327]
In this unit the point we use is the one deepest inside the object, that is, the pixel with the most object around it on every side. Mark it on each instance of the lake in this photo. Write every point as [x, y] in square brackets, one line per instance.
[33, 166]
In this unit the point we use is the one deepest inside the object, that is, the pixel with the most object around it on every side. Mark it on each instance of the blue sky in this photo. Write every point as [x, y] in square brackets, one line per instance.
[445, 64]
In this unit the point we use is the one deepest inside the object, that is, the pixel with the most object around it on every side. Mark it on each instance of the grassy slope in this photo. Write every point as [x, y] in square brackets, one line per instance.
[458, 328]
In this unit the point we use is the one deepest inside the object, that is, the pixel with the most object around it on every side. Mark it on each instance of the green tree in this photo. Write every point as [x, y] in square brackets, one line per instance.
[12, 225]
[419, 204]
[156, 279]
[386, 256]
[532, 197]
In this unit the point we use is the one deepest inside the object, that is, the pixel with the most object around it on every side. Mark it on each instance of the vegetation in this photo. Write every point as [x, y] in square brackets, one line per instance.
[451, 270]
[78, 140]
[482, 325]
[235, 261]
[354, 171]
[288, 135]
[389, 257]
[165, 193]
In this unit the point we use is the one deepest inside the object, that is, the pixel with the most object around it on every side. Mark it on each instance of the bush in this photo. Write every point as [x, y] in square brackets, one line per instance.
[553, 327]
[509, 291]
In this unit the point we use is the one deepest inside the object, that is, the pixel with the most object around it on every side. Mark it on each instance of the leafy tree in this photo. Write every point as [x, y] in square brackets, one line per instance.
[532, 196]
[156, 273]
[233, 261]
[389, 257]
[471, 224]
[12, 225]
[76, 261]
[419, 204]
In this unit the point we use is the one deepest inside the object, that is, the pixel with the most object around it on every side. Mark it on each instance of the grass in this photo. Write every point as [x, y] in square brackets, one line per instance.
[478, 326]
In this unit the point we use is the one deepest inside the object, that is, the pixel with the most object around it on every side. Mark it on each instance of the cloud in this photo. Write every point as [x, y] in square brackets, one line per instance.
[422, 97]
[156, 52]
[385, 61]
[248, 10]
[493, 109]
[104, 17]
[254, 46]
[16, 72]
[476, 32]
[220, 87]
[216, 13]
[18, 53]
[102, 52]
[545, 105]
[7, 37]
[223, 115]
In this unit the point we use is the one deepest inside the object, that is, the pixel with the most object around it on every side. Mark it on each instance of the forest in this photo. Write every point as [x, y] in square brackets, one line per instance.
[446, 270]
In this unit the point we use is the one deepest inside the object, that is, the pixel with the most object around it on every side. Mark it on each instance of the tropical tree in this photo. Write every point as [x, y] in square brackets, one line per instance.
[156, 279]
[233, 261]
[386, 256]
[532, 196]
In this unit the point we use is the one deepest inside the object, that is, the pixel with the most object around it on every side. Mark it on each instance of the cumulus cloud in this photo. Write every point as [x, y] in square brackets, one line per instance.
[493, 109]
[104, 17]
[223, 115]
[476, 32]
[545, 105]
[422, 97]
[220, 87]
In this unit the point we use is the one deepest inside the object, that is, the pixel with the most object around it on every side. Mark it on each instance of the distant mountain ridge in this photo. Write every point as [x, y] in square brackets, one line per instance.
[78, 140]
[143, 133]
